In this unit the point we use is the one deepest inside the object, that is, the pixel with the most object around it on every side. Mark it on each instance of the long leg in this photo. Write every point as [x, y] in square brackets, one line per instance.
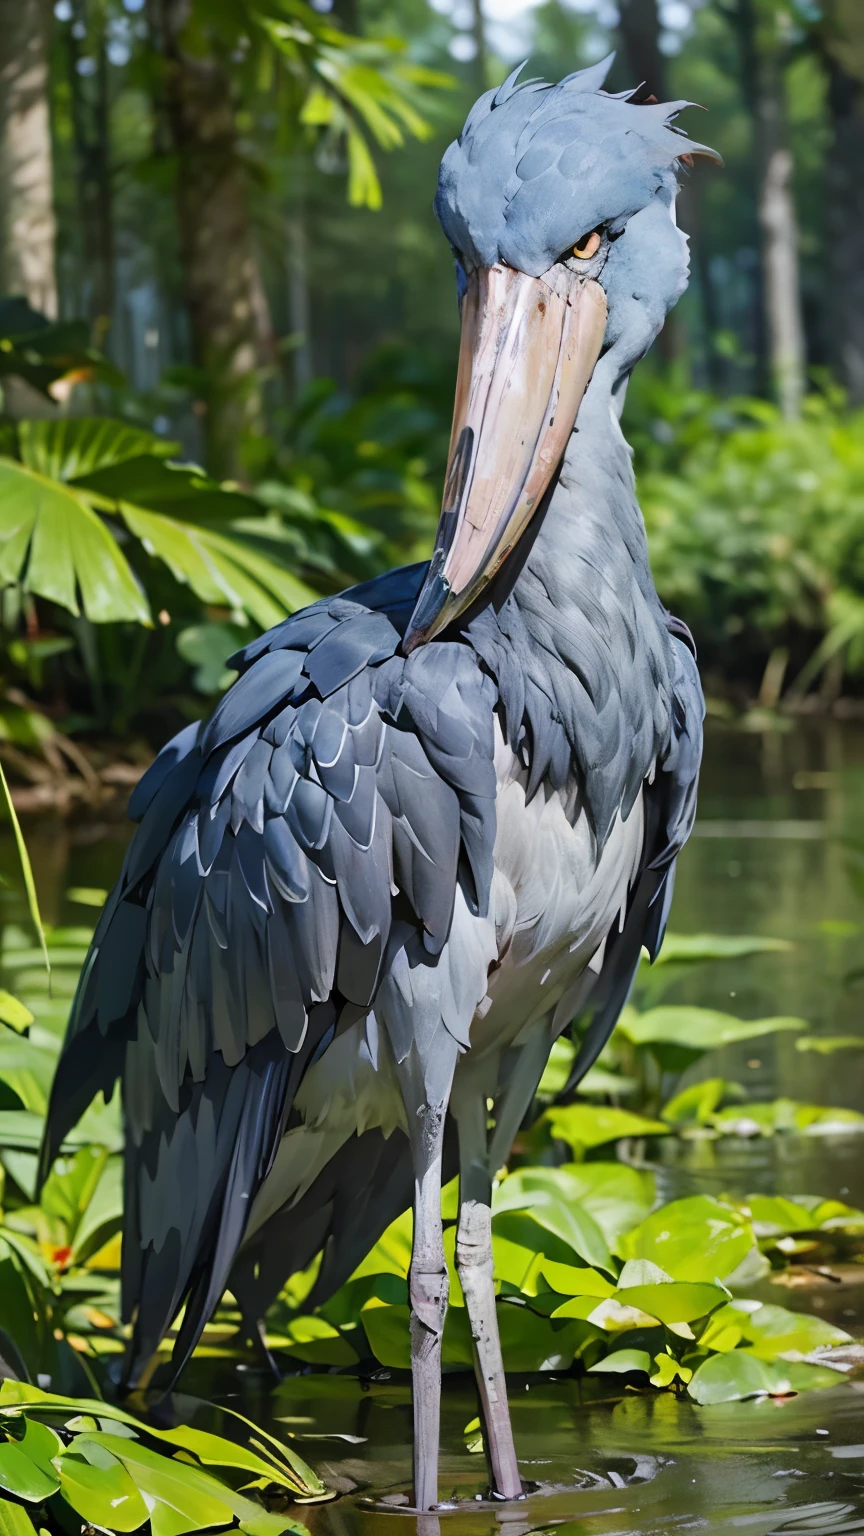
[428, 1290]
[474, 1263]
[478, 1161]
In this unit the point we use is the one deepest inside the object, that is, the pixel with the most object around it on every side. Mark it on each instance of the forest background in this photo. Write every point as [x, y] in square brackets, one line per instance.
[216, 229]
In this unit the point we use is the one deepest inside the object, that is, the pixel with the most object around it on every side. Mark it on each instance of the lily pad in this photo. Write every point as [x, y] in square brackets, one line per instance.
[677, 1302]
[717, 946]
[552, 1200]
[772, 1331]
[583, 1126]
[695, 1239]
[615, 1195]
[700, 1029]
[728, 1378]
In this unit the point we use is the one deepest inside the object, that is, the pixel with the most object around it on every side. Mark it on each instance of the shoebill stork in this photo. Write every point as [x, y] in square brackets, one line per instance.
[435, 819]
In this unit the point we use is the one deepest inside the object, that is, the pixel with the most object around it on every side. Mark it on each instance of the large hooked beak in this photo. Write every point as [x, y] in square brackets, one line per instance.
[528, 349]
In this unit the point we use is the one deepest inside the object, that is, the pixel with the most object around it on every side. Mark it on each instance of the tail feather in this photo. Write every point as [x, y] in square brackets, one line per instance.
[206, 1165]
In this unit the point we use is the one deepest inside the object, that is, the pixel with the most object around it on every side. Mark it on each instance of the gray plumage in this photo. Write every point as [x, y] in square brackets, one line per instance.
[370, 876]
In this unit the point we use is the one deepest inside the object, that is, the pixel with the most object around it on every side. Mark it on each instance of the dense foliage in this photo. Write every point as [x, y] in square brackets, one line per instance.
[755, 528]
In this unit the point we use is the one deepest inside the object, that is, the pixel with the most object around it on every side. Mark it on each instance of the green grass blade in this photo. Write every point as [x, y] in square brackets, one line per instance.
[26, 869]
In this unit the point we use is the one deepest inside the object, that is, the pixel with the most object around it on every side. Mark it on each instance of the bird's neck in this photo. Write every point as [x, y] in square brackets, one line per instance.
[593, 515]
[576, 639]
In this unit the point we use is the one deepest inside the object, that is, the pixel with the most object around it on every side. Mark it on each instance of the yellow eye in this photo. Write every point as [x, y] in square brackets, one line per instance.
[588, 246]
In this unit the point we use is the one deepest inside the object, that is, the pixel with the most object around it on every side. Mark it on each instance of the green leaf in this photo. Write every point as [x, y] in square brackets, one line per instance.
[21, 1130]
[516, 1263]
[317, 1342]
[549, 1195]
[785, 1116]
[643, 1272]
[206, 647]
[724, 1329]
[696, 1105]
[182, 493]
[70, 549]
[833, 1215]
[567, 1280]
[18, 1314]
[694, 1239]
[387, 1331]
[217, 567]
[43, 351]
[87, 895]
[14, 1013]
[216, 1451]
[15, 1521]
[42, 1444]
[343, 1309]
[76, 446]
[24, 861]
[19, 1394]
[716, 946]
[700, 1029]
[181, 1498]
[583, 1126]
[774, 1215]
[729, 1377]
[100, 1489]
[773, 1331]
[391, 1254]
[597, 1081]
[19, 1475]
[100, 1216]
[28, 1067]
[826, 1045]
[623, 1360]
[668, 1369]
[616, 1196]
[532, 1343]
[557, 1069]
[673, 1302]
[69, 1190]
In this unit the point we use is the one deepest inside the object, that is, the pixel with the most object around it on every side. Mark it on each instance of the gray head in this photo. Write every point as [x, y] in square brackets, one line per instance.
[559, 204]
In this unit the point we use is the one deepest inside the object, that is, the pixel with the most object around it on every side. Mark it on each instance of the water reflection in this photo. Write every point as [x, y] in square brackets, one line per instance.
[643, 1464]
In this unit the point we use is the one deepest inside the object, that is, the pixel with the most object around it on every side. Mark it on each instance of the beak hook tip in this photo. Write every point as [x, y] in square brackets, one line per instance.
[433, 596]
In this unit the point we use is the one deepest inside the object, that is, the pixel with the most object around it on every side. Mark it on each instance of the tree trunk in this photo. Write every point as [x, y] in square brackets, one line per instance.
[639, 26]
[762, 51]
[639, 29]
[478, 32]
[779, 224]
[229, 314]
[91, 129]
[27, 225]
[841, 41]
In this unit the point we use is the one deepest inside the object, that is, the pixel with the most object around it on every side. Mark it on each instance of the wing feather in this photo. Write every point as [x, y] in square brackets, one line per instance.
[253, 911]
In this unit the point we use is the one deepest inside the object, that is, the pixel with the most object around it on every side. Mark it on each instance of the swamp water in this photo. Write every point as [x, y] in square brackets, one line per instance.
[778, 851]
